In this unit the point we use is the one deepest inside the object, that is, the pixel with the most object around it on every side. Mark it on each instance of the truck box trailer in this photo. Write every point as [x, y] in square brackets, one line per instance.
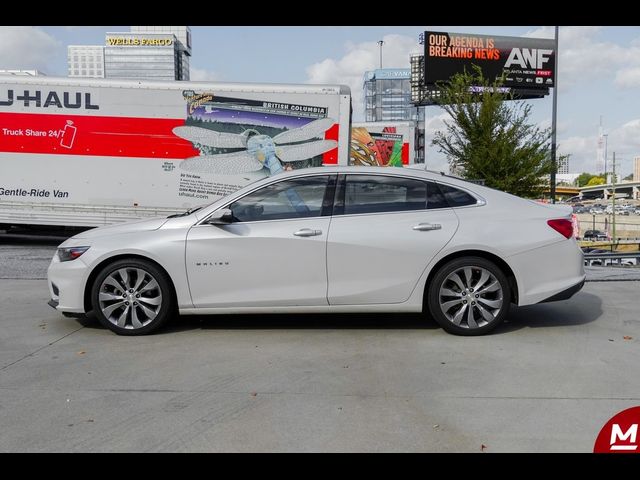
[383, 143]
[91, 152]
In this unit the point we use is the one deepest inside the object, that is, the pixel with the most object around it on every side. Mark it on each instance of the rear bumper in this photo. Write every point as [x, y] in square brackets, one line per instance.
[554, 271]
[565, 294]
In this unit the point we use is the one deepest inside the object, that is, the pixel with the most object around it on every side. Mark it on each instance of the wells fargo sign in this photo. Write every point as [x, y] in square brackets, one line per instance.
[138, 42]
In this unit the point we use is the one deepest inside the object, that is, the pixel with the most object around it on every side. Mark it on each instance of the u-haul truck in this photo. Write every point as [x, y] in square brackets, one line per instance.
[90, 152]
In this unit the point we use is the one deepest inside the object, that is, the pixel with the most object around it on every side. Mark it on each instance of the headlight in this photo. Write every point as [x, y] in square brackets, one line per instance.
[70, 253]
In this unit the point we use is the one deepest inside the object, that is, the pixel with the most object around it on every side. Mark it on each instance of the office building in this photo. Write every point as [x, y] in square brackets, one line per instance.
[146, 52]
[183, 44]
[563, 164]
[636, 169]
[387, 95]
[85, 61]
[387, 98]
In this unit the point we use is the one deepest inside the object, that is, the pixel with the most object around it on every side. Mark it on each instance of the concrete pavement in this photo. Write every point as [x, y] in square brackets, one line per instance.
[548, 380]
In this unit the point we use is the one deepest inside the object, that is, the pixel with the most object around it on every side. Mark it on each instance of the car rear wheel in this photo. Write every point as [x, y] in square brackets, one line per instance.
[469, 296]
[132, 297]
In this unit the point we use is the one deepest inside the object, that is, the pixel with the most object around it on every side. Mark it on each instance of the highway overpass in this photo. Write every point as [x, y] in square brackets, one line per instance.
[631, 189]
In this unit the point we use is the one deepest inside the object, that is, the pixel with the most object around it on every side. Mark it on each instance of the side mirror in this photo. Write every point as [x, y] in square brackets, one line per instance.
[220, 217]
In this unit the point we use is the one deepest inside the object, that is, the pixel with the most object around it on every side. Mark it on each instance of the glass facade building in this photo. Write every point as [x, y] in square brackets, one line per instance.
[182, 35]
[147, 52]
[141, 56]
[387, 97]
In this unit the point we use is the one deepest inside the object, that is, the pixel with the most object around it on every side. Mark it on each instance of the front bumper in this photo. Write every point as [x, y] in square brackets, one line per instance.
[66, 281]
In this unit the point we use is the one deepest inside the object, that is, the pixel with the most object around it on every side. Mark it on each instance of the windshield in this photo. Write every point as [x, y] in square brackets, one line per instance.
[195, 209]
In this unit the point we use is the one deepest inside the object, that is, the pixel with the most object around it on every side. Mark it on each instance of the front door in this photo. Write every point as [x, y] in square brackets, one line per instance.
[272, 254]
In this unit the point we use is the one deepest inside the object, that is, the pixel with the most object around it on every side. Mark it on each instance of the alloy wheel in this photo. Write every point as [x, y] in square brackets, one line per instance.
[470, 297]
[130, 298]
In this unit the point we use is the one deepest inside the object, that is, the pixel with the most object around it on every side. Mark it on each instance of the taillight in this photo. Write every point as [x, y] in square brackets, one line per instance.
[562, 226]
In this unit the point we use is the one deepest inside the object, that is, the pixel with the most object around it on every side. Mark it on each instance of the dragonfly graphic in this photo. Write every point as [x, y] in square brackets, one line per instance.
[259, 151]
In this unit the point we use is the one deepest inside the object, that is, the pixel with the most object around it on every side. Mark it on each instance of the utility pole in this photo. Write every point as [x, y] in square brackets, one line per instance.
[553, 124]
[606, 142]
[613, 202]
[380, 43]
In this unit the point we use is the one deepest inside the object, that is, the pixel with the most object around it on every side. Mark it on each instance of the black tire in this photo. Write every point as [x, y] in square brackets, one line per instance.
[485, 316]
[158, 298]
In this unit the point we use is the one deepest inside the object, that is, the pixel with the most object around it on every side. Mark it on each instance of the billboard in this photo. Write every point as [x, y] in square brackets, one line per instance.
[383, 144]
[527, 62]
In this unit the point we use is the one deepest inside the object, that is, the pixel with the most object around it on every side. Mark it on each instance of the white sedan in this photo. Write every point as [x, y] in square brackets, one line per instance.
[329, 239]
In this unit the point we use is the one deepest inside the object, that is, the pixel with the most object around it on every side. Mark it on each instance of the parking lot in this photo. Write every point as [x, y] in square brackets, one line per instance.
[547, 380]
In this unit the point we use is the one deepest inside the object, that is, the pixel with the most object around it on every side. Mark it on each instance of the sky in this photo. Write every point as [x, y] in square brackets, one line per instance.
[599, 71]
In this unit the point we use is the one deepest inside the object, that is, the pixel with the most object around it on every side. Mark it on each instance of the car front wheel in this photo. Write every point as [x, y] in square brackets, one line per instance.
[132, 297]
[469, 296]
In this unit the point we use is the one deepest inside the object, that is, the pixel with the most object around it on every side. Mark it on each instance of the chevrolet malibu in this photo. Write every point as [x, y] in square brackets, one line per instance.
[329, 239]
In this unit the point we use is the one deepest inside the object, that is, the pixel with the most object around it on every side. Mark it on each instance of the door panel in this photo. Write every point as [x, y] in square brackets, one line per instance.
[378, 258]
[258, 264]
[273, 254]
[377, 254]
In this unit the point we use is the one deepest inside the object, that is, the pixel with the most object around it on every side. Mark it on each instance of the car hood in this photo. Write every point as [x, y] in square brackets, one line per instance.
[128, 227]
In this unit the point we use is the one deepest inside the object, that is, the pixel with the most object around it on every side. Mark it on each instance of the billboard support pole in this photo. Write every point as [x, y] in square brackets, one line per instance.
[553, 124]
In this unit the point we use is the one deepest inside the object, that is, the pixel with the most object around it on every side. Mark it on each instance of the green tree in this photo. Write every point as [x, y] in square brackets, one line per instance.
[584, 178]
[628, 177]
[490, 138]
[595, 181]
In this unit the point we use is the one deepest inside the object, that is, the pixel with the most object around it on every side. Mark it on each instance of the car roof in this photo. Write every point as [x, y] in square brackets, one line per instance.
[405, 172]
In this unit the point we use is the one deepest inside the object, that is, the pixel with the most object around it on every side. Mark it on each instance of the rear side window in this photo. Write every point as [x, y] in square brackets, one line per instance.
[360, 194]
[376, 193]
[456, 197]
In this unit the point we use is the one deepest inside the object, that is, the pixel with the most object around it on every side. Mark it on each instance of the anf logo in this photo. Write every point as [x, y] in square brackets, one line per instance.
[620, 433]
[528, 58]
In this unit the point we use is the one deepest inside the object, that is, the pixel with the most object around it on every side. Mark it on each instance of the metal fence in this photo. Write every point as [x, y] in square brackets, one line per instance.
[613, 259]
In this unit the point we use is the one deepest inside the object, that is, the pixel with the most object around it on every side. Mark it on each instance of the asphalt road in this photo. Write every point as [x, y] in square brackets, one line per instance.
[547, 380]
[20, 261]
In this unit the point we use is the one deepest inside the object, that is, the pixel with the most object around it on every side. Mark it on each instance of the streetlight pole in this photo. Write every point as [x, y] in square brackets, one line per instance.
[380, 43]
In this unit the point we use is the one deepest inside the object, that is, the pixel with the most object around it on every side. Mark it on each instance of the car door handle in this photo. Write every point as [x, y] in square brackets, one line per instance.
[307, 232]
[427, 226]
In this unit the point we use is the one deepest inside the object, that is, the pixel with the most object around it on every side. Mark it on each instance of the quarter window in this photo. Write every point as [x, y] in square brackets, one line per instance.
[296, 198]
[456, 197]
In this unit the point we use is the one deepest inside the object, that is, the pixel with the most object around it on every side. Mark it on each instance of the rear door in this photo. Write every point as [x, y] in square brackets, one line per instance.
[384, 231]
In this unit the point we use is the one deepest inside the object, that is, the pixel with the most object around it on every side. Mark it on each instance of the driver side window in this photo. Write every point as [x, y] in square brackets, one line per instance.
[296, 198]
